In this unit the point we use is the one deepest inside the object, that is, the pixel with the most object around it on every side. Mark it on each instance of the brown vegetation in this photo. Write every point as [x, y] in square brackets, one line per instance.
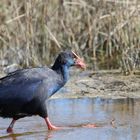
[105, 32]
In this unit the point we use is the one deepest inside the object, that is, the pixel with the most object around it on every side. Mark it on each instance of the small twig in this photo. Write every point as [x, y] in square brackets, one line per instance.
[108, 15]
[121, 25]
[16, 18]
[54, 38]
[81, 3]
[113, 123]
[73, 3]
[121, 2]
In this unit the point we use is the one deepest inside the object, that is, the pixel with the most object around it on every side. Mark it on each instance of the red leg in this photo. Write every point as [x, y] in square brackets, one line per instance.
[50, 126]
[10, 128]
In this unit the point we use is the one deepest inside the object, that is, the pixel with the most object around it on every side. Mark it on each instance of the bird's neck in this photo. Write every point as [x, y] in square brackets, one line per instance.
[63, 70]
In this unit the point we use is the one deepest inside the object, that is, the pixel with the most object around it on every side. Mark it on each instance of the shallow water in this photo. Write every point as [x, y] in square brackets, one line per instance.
[75, 114]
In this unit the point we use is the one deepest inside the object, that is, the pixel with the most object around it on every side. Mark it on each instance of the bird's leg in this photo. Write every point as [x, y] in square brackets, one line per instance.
[10, 128]
[50, 126]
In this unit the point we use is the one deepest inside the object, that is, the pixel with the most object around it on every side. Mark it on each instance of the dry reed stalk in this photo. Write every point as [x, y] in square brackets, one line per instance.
[105, 32]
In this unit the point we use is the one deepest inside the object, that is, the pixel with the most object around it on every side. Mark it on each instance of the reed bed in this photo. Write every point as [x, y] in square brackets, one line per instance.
[105, 32]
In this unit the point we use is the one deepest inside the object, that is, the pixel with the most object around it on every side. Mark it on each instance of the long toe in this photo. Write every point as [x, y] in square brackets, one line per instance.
[52, 127]
[90, 126]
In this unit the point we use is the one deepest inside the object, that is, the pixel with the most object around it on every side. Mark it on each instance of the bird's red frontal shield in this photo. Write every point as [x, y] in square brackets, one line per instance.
[79, 62]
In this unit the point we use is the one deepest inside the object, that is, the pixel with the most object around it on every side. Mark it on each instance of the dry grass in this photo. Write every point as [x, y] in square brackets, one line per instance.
[105, 32]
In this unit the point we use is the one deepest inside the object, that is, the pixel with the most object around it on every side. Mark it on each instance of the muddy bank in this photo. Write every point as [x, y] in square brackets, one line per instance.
[104, 84]
[101, 84]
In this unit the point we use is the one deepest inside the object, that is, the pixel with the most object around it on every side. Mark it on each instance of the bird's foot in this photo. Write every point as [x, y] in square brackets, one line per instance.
[52, 127]
[90, 126]
[9, 130]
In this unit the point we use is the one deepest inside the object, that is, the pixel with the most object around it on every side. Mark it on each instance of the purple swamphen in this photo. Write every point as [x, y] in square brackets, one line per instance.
[24, 92]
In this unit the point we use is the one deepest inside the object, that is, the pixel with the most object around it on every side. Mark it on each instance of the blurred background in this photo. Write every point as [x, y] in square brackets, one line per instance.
[106, 33]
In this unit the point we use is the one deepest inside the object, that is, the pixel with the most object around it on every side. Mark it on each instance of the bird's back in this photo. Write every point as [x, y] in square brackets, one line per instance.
[24, 86]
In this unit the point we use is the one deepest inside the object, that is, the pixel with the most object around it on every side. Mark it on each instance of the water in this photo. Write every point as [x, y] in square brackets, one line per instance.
[75, 114]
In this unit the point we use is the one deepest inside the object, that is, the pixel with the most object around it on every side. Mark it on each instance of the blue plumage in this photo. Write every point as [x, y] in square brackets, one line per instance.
[24, 92]
[22, 87]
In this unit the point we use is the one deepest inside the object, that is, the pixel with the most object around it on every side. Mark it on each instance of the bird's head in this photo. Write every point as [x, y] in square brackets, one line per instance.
[69, 58]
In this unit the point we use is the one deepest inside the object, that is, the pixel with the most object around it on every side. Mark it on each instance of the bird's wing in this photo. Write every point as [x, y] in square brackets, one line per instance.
[21, 86]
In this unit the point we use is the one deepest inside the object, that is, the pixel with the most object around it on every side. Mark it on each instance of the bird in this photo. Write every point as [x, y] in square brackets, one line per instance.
[24, 92]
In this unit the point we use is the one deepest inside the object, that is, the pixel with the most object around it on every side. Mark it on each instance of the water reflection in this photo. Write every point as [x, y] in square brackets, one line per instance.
[74, 113]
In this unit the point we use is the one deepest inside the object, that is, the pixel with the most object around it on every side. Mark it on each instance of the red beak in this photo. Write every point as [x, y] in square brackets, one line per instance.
[79, 62]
